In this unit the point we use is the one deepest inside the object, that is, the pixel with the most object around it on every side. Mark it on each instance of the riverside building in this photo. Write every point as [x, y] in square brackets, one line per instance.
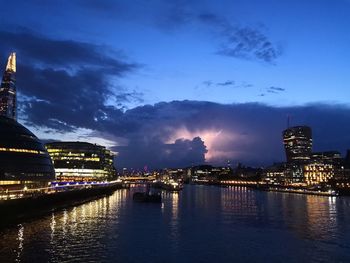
[298, 144]
[24, 161]
[318, 173]
[81, 161]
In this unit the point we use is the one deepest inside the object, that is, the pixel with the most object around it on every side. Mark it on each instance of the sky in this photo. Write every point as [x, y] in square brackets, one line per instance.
[179, 83]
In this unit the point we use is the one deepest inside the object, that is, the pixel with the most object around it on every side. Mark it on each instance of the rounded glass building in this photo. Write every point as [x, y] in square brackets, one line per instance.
[23, 158]
[298, 143]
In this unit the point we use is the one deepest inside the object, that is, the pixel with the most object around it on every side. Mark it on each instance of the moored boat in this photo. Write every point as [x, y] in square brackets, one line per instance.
[168, 185]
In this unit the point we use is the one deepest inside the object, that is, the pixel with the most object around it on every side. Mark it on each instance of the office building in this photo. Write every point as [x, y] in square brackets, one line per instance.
[318, 173]
[81, 161]
[275, 174]
[298, 144]
[332, 157]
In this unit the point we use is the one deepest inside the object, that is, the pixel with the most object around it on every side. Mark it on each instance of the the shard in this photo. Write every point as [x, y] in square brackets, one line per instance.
[8, 99]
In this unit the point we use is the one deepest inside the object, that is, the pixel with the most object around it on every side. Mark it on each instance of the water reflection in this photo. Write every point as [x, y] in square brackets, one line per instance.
[20, 243]
[321, 218]
[238, 202]
[310, 217]
[174, 222]
[64, 235]
[199, 224]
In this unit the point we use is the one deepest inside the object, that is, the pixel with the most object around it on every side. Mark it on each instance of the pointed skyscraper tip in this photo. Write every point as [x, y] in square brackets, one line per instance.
[11, 62]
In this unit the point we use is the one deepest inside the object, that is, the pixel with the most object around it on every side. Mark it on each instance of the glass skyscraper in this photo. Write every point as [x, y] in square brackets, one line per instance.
[298, 143]
[8, 99]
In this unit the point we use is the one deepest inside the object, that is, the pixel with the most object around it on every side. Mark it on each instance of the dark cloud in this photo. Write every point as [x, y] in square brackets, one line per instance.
[207, 83]
[67, 84]
[250, 133]
[235, 40]
[69, 54]
[248, 43]
[271, 91]
[156, 154]
[179, 133]
[162, 135]
[226, 83]
[242, 41]
[246, 85]
[275, 90]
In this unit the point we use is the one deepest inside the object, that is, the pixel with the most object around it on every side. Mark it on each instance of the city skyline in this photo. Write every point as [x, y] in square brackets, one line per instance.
[218, 83]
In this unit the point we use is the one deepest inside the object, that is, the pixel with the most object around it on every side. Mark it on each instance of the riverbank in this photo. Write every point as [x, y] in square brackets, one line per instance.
[283, 189]
[17, 210]
[302, 191]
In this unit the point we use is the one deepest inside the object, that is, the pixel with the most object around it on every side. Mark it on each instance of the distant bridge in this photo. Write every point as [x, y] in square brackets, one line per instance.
[138, 179]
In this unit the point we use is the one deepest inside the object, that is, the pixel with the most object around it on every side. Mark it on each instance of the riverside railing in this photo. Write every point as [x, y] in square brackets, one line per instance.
[53, 188]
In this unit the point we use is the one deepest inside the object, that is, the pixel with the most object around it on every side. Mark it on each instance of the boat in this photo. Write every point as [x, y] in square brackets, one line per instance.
[147, 197]
[168, 185]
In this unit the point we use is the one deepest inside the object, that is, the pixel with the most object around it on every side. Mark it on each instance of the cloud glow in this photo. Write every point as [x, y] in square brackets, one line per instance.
[214, 139]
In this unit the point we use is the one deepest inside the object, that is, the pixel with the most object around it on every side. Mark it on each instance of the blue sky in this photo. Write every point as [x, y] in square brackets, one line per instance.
[180, 53]
[279, 54]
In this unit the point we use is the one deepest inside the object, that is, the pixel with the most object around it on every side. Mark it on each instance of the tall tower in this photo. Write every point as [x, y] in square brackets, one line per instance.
[298, 143]
[8, 98]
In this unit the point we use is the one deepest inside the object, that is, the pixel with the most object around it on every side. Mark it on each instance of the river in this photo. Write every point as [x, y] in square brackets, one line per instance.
[199, 224]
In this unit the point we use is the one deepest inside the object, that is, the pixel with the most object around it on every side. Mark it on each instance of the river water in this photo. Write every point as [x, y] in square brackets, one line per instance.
[199, 224]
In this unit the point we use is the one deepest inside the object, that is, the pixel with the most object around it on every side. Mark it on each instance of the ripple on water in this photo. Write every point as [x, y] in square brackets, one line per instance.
[199, 224]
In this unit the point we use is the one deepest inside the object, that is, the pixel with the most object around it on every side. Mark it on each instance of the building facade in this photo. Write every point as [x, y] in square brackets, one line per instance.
[81, 161]
[298, 144]
[24, 161]
[318, 173]
[8, 101]
[275, 174]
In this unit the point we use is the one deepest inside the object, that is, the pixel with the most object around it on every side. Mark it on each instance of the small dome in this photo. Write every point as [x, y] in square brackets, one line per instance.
[22, 155]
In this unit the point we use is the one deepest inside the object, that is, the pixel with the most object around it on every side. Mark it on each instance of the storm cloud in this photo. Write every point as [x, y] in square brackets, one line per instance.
[250, 133]
[62, 80]
[182, 133]
[157, 154]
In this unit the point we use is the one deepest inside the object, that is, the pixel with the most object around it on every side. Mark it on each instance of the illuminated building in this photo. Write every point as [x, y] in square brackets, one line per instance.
[8, 89]
[24, 161]
[294, 174]
[332, 157]
[318, 173]
[275, 174]
[81, 161]
[298, 144]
